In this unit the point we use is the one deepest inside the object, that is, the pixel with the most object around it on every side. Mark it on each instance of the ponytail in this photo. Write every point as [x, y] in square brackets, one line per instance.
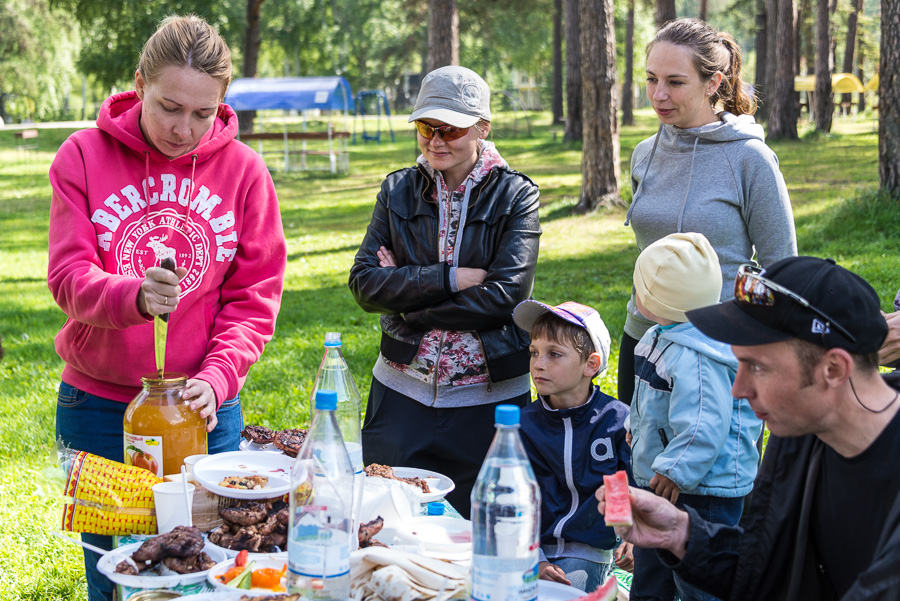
[732, 92]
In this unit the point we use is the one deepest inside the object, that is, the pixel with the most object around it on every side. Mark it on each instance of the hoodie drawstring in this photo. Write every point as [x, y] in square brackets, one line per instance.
[634, 197]
[463, 209]
[146, 186]
[688, 189]
[187, 213]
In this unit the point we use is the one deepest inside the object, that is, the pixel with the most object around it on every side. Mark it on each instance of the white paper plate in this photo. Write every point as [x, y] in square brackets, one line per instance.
[107, 566]
[557, 591]
[215, 468]
[229, 553]
[259, 563]
[442, 534]
[247, 445]
[439, 484]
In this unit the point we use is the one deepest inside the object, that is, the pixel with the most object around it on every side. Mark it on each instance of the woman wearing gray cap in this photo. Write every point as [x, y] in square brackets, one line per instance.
[450, 251]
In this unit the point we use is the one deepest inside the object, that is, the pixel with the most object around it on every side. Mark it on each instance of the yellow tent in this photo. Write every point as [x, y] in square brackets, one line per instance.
[872, 84]
[841, 83]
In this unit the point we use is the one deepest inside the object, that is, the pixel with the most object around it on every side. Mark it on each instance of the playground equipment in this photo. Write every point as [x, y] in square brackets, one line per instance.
[364, 98]
[517, 110]
[329, 96]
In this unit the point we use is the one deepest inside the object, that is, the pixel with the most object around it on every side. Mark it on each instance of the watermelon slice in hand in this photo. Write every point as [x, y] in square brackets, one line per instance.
[607, 592]
[618, 504]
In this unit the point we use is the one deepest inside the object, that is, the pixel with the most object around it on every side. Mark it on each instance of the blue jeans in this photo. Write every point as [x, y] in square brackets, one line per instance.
[583, 574]
[653, 580]
[86, 422]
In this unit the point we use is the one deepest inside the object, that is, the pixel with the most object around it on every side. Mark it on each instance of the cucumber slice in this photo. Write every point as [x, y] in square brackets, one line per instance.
[237, 581]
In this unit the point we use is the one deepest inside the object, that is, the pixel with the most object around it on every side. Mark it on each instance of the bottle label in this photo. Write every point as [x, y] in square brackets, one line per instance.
[144, 451]
[504, 578]
[323, 555]
[354, 451]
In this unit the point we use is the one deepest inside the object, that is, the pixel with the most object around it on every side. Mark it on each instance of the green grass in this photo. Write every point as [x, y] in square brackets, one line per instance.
[586, 258]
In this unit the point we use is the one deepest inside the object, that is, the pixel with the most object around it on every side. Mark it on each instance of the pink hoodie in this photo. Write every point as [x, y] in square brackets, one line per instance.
[119, 206]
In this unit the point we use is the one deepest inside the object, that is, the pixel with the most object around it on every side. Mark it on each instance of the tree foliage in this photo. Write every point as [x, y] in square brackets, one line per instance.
[113, 33]
[38, 45]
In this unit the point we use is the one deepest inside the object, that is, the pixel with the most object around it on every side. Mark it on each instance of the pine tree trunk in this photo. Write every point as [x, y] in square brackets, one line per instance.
[251, 59]
[761, 59]
[824, 101]
[861, 74]
[628, 86]
[573, 71]
[704, 8]
[443, 34]
[557, 102]
[772, 54]
[889, 99]
[783, 120]
[850, 45]
[600, 155]
[665, 12]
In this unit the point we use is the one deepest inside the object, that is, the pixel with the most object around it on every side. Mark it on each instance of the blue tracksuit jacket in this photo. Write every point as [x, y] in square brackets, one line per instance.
[571, 450]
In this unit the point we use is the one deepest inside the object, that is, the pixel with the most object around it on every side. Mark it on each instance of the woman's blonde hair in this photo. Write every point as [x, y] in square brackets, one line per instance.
[186, 41]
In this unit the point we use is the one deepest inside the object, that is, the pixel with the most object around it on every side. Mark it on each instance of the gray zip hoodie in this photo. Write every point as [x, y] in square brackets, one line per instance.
[720, 180]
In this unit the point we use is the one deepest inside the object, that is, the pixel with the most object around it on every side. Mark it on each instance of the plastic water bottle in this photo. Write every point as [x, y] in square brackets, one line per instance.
[506, 506]
[334, 374]
[320, 523]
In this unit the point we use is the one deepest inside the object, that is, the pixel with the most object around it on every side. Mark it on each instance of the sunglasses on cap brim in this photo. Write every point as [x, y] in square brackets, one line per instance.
[751, 288]
[448, 132]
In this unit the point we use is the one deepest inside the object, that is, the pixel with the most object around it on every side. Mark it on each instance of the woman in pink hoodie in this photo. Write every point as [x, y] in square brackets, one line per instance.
[162, 177]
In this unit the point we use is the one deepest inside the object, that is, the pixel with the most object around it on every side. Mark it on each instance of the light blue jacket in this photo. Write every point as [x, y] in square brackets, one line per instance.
[684, 422]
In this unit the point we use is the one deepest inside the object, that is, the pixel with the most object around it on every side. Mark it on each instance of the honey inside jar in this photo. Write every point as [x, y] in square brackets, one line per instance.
[160, 429]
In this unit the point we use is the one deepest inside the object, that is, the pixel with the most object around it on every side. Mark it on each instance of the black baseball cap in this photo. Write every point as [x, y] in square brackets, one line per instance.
[844, 310]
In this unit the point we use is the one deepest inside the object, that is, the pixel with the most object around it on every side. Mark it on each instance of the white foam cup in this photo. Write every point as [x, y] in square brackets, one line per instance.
[189, 462]
[171, 509]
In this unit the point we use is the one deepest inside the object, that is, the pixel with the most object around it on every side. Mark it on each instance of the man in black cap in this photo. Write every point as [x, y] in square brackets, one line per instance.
[824, 519]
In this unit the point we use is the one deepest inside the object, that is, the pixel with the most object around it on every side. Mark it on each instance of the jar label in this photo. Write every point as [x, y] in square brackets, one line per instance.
[144, 451]
[504, 578]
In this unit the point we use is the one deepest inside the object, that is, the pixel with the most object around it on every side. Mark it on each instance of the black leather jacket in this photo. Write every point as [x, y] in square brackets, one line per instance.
[500, 236]
[771, 556]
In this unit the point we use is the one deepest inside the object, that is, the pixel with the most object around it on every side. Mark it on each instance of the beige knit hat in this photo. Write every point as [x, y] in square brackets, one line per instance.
[676, 274]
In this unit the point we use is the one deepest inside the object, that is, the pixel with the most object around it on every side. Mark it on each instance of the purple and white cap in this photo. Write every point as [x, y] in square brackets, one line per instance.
[528, 312]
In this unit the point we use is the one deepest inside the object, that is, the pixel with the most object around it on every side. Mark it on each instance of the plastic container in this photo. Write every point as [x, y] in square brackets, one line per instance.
[160, 429]
[506, 518]
[334, 374]
[320, 526]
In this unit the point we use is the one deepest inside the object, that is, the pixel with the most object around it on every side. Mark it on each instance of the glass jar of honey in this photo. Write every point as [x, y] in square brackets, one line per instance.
[160, 429]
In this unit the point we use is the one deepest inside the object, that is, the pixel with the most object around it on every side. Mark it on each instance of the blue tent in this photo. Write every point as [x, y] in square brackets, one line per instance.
[290, 93]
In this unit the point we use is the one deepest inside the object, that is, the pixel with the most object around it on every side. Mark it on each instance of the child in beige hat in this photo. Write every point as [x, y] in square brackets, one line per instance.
[693, 444]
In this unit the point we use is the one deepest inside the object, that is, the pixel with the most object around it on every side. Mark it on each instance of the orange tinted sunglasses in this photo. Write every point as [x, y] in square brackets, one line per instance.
[448, 132]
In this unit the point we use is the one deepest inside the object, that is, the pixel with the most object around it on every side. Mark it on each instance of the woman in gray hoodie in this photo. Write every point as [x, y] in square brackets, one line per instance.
[707, 169]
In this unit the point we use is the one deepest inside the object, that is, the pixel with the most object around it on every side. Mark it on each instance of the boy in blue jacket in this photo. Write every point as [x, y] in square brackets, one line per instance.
[574, 435]
[694, 444]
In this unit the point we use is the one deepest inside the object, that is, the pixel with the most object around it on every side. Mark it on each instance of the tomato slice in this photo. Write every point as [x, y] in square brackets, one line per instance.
[241, 559]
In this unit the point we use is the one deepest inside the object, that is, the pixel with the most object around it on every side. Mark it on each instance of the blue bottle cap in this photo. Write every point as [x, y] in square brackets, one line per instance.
[435, 508]
[326, 400]
[333, 339]
[506, 415]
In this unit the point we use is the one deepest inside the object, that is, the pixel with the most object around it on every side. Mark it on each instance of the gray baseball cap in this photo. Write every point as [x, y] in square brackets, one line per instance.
[455, 95]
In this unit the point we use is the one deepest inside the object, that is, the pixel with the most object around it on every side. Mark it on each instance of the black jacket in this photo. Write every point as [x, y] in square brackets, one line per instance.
[771, 556]
[500, 236]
